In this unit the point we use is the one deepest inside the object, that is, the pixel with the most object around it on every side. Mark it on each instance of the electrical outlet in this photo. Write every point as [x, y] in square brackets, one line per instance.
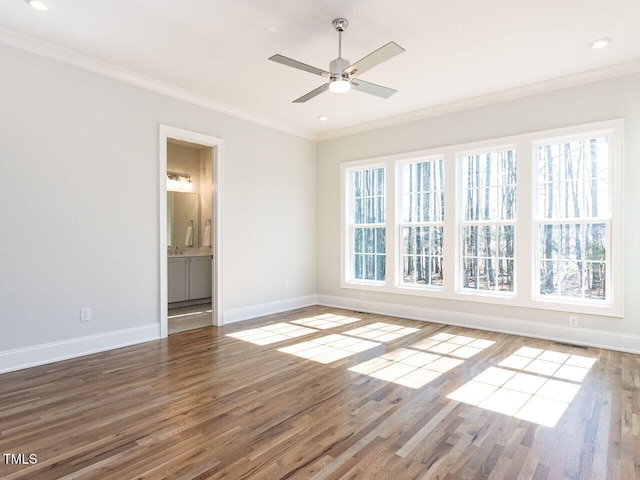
[363, 296]
[286, 284]
[85, 314]
[573, 321]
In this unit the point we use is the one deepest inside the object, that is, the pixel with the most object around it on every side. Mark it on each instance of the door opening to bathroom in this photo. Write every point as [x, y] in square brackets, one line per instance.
[190, 230]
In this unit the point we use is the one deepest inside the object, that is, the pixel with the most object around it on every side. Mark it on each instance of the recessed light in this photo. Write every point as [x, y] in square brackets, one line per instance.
[38, 5]
[323, 118]
[600, 43]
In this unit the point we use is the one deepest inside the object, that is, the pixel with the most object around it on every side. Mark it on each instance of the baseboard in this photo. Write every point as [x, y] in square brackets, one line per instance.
[18, 359]
[262, 309]
[560, 333]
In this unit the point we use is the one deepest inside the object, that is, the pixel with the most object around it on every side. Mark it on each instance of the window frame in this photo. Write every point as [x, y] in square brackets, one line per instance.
[526, 266]
[462, 222]
[347, 262]
[400, 223]
[614, 274]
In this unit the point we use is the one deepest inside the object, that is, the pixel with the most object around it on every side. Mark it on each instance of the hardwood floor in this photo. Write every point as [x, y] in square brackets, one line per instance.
[322, 393]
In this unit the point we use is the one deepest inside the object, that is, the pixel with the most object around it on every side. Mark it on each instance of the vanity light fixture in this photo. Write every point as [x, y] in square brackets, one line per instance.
[38, 5]
[179, 182]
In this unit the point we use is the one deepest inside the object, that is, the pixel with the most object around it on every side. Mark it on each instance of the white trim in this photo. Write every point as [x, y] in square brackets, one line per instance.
[547, 331]
[166, 132]
[84, 62]
[76, 347]
[260, 310]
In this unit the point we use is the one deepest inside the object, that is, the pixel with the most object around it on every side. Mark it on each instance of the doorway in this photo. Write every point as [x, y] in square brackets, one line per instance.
[204, 222]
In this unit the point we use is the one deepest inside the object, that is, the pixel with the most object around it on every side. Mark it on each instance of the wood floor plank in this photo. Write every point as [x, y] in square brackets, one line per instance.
[323, 393]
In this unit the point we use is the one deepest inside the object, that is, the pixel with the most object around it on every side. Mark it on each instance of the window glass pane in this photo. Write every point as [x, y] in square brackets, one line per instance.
[380, 241]
[358, 260]
[595, 281]
[369, 253]
[573, 256]
[422, 185]
[380, 267]
[358, 240]
[422, 255]
[489, 250]
[370, 267]
[470, 267]
[470, 241]
[505, 275]
[506, 240]
[369, 246]
[595, 235]
[358, 211]
[489, 181]
[573, 179]
[368, 196]
[570, 284]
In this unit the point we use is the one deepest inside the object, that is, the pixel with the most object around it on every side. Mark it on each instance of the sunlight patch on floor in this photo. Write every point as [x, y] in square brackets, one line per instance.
[268, 334]
[407, 367]
[381, 332]
[532, 384]
[326, 321]
[329, 348]
[459, 346]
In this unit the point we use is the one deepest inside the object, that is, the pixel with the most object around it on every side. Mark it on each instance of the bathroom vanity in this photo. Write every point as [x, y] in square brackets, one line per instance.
[189, 277]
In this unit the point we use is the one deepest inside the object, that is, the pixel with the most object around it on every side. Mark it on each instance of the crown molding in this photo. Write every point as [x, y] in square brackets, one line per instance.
[568, 81]
[84, 62]
[69, 57]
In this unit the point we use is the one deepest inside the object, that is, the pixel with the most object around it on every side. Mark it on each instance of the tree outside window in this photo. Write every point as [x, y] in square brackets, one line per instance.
[368, 230]
[488, 225]
[573, 218]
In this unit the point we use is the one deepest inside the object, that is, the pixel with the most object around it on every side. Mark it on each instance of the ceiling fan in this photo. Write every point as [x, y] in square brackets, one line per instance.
[341, 74]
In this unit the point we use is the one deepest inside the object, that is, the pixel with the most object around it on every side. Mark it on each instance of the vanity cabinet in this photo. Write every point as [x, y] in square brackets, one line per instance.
[188, 278]
[199, 277]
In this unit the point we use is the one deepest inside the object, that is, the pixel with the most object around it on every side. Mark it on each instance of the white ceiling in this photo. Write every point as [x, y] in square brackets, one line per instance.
[456, 50]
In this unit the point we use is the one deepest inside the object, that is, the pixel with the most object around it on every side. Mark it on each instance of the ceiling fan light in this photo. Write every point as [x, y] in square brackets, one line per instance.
[340, 86]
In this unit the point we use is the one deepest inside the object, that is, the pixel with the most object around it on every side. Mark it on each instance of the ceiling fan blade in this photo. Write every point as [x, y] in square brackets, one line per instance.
[372, 88]
[382, 54]
[312, 93]
[299, 65]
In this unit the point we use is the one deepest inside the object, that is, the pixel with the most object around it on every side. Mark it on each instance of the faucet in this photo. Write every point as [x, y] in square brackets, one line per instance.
[175, 252]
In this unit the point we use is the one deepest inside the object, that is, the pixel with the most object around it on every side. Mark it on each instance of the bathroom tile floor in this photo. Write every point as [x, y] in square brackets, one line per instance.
[189, 318]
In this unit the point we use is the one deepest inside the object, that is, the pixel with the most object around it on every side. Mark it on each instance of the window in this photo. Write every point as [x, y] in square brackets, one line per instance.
[367, 225]
[532, 220]
[422, 222]
[573, 218]
[488, 225]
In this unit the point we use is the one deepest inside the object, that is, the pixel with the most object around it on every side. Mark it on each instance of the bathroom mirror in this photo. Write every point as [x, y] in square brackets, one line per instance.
[183, 211]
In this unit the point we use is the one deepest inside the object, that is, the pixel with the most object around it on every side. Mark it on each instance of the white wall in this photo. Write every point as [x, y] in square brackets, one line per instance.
[605, 100]
[79, 189]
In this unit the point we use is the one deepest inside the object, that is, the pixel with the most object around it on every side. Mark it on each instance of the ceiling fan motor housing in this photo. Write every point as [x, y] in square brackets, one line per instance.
[338, 65]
